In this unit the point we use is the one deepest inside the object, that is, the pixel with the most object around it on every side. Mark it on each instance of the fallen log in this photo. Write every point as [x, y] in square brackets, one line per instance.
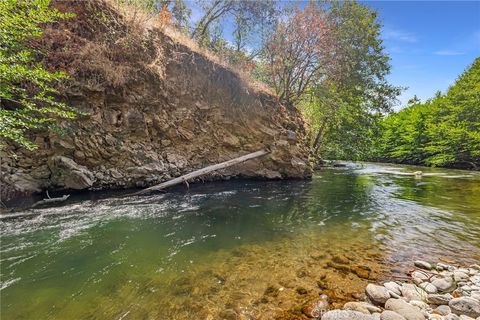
[201, 172]
[50, 200]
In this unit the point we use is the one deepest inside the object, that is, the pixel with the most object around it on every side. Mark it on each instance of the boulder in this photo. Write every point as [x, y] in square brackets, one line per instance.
[68, 174]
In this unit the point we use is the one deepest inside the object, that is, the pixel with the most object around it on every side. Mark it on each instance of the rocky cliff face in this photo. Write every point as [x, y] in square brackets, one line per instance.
[155, 111]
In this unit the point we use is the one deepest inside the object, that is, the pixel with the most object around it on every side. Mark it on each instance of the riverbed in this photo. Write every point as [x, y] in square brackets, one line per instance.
[236, 249]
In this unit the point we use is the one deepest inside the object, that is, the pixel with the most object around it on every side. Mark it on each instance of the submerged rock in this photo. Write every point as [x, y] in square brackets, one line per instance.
[315, 308]
[356, 306]
[393, 287]
[423, 264]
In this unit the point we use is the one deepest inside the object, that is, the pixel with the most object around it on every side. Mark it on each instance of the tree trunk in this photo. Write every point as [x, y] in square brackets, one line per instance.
[200, 172]
[318, 138]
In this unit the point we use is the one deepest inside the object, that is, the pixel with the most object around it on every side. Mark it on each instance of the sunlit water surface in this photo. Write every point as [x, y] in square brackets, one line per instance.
[236, 250]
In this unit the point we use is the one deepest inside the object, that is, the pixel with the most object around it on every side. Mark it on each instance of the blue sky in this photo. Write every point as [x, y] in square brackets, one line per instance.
[430, 42]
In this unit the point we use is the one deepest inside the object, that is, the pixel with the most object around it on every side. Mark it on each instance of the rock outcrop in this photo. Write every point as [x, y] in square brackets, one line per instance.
[152, 114]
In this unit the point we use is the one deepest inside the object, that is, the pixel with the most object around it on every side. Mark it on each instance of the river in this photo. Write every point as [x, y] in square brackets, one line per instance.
[236, 249]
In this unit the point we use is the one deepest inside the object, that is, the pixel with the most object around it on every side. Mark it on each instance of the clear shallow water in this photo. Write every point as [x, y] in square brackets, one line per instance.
[236, 250]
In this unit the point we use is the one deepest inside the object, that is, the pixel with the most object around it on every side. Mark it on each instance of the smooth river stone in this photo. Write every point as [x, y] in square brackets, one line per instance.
[377, 294]
[451, 316]
[442, 310]
[346, 315]
[315, 308]
[412, 292]
[356, 306]
[465, 306]
[444, 284]
[405, 309]
[419, 304]
[439, 299]
[423, 264]
[428, 287]
[420, 275]
[393, 286]
[391, 315]
[460, 276]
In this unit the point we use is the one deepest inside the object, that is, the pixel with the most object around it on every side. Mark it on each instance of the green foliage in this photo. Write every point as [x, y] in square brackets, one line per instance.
[27, 92]
[444, 131]
[347, 106]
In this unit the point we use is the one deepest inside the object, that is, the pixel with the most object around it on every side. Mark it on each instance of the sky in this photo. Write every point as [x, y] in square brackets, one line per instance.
[430, 42]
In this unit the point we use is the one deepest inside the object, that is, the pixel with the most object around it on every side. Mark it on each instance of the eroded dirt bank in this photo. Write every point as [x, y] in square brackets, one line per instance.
[156, 109]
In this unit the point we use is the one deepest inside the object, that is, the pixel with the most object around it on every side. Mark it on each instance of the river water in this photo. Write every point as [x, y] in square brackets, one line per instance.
[237, 249]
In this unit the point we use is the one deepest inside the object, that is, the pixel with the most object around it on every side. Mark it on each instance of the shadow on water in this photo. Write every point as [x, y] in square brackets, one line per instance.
[238, 249]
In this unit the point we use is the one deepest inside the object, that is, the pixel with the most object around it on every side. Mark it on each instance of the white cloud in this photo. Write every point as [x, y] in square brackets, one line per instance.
[449, 53]
[400, 35]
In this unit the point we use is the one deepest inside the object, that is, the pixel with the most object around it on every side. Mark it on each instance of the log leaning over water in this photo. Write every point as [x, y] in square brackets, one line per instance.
[201, 172]
[50, 200]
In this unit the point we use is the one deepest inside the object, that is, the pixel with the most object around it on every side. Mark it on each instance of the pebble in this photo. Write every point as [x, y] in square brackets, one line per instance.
[444, 293]
[442, 266]
[420, 275]
[442, 310]
[423, 264]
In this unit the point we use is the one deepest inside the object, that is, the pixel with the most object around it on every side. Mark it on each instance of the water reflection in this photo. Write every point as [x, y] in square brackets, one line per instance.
[225, 250]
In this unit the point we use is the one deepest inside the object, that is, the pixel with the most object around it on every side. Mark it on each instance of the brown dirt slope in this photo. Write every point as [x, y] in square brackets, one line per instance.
[157, 109]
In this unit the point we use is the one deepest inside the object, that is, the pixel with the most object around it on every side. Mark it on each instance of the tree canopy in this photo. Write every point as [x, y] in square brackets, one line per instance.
[444, 131]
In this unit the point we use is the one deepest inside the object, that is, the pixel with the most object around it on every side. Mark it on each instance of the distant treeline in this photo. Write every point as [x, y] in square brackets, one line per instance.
[444, 131]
